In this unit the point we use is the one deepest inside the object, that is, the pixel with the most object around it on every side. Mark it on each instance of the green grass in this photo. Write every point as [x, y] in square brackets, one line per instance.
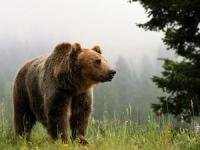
[108, 135]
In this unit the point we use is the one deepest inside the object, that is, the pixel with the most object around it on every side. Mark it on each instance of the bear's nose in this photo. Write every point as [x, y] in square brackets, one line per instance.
[110, 75]
[112, 72]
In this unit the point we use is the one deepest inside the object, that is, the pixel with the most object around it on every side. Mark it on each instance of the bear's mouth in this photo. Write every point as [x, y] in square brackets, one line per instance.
[109, 76]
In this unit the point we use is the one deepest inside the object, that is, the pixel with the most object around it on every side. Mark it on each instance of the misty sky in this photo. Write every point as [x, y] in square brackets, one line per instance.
[109, 23]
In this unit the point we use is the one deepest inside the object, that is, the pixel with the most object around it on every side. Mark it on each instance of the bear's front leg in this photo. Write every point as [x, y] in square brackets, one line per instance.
[58, 115]
[81, 110]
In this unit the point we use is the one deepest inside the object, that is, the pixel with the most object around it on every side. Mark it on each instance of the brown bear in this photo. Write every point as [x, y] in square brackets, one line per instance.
[57, 90]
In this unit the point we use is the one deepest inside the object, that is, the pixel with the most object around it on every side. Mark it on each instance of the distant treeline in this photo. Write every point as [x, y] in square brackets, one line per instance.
[131, 92]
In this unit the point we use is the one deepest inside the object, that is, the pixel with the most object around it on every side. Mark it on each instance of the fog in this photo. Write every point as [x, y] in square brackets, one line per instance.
[111, 24]
[35, 27]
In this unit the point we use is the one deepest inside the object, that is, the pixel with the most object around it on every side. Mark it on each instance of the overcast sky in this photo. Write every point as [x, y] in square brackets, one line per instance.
[109, 23]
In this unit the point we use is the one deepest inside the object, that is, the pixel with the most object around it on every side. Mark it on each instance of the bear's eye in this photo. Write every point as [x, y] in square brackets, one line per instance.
[98, 61]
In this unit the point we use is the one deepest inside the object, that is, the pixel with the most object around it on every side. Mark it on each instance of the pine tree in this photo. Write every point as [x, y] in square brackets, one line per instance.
[180, 80]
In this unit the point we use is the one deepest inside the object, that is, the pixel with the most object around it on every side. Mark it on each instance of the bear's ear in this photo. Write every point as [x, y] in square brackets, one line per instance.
[97, 49]
[76, 47]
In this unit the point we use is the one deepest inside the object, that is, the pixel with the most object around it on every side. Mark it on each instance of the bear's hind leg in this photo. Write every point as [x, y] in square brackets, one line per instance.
[24, 122]
[24, 119]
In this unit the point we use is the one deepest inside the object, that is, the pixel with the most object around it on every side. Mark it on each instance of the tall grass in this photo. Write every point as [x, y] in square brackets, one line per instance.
[107, 135]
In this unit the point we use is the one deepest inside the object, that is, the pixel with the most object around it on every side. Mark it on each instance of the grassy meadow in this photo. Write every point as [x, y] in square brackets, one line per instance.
[108, 135]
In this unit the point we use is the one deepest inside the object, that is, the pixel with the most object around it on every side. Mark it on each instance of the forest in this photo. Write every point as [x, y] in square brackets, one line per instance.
[131, 89]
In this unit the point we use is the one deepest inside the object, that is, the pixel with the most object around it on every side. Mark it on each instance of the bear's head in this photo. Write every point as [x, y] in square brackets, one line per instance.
[80, 67]
[93, 65]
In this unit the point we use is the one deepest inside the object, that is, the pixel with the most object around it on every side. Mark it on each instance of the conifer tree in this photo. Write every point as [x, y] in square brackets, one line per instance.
[180, 80]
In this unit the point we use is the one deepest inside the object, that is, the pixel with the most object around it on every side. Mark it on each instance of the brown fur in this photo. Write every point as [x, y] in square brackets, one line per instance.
[56, 89]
